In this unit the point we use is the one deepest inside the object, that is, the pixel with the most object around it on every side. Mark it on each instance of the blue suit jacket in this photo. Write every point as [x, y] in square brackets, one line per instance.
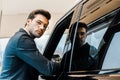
[23, 61]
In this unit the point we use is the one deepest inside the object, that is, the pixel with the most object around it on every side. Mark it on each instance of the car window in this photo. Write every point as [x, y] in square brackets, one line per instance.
[95, 37]
[112, 59]
[60, 48]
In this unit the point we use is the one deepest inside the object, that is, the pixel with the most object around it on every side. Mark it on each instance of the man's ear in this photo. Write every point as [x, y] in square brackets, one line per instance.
[28, 21]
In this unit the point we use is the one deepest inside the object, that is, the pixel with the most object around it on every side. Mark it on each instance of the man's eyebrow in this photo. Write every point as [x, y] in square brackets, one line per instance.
[39, 20]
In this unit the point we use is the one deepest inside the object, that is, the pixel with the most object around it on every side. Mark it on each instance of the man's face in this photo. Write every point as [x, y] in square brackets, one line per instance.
[82, 34]
[38, 25]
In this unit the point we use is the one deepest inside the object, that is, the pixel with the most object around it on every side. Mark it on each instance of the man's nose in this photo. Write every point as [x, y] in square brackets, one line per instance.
[42, 27]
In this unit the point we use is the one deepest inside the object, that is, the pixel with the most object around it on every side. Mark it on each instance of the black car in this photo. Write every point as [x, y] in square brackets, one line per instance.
[103, 20]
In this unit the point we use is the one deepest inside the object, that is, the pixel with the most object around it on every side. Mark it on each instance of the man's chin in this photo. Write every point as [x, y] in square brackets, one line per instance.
[38, 36]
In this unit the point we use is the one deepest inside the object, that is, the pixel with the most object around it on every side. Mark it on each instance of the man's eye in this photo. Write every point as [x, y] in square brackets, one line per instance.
[39, 22]
[45, 26]
[81, 33]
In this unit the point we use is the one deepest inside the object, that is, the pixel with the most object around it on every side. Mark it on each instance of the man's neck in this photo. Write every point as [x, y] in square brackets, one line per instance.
[27, 31]
[82, 44]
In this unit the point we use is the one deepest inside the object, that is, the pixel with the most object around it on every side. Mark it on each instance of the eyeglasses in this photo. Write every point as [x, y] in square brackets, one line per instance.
[81, 33]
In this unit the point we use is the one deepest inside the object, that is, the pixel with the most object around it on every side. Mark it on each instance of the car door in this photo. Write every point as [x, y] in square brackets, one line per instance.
[97, 28]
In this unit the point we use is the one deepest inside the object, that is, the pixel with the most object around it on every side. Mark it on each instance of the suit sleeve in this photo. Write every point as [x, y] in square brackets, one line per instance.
[27, 51]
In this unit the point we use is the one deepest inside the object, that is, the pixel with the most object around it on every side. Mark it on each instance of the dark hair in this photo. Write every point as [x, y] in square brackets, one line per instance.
[73, 27]
[39, 11]
[80, 25]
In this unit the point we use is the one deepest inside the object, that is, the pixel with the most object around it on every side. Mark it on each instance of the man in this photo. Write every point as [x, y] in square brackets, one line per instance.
[22, 60]
[83, 56]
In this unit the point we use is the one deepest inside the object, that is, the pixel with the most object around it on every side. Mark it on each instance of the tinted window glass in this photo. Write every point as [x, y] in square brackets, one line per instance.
[112, 58]
[95, 37]
[60, 47]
